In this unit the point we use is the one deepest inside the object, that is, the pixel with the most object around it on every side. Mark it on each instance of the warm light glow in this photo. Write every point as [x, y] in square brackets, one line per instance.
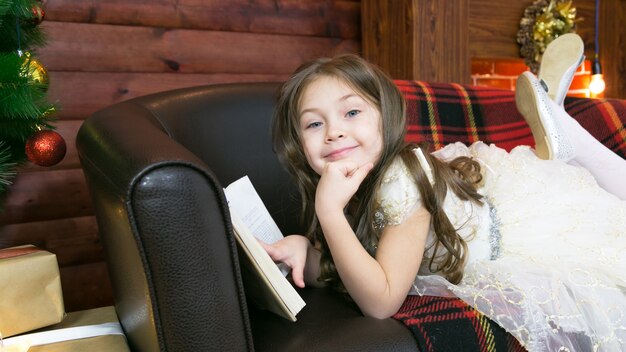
[597, 85]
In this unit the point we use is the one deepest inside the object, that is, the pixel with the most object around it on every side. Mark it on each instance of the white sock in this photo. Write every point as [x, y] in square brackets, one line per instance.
[608, 168]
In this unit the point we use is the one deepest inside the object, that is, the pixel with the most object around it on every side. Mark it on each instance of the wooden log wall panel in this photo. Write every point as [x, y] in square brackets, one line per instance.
[107, 88]
[73, 240]
[86, 286]
[46, 195]
[109, 48]
[493, 26]
[312, 18]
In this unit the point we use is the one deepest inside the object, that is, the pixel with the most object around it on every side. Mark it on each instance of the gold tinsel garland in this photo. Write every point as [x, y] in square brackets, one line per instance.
[543, 22]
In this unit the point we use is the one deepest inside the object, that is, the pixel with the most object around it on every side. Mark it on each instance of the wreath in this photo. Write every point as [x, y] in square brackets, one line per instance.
[544, 21]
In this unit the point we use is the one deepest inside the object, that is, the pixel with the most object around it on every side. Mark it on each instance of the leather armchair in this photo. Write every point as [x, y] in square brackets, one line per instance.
[156, 167]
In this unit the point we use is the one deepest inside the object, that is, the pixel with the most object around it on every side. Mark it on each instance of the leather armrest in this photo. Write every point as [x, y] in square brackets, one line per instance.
[163, 222]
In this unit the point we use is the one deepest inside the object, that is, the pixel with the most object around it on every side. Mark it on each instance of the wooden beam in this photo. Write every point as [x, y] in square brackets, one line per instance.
[418, 39]
[612, 51]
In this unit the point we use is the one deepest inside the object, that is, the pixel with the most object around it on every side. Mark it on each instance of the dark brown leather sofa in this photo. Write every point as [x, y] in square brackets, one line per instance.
[156, 166]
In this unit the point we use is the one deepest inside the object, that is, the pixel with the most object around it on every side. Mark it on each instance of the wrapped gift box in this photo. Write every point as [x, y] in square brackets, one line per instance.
[93, 330]
[30, 290]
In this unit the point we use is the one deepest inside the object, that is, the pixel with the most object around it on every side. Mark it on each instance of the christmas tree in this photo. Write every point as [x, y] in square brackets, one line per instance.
[24, 111]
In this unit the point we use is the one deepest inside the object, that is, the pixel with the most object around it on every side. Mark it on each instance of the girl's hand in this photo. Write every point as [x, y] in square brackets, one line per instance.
[338, 183]
[291, 250]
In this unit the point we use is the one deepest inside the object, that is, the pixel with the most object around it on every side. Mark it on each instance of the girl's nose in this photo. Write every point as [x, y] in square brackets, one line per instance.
[335, 129]
[334, 134]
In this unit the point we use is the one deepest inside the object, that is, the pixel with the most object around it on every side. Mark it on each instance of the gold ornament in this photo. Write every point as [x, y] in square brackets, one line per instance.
[50, 111]
[544, 21]
[34, 70]
[38, 14]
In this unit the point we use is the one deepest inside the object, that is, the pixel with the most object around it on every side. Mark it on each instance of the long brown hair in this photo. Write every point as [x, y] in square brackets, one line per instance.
[460, 175]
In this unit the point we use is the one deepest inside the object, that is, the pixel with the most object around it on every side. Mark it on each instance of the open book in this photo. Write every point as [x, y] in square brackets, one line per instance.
[264, 280]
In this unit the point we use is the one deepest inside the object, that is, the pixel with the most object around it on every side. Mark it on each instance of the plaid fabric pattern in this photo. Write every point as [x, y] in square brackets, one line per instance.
[448, 324]
[442, 113]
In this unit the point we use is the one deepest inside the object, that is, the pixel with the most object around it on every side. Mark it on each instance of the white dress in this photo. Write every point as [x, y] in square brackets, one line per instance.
[546, 252]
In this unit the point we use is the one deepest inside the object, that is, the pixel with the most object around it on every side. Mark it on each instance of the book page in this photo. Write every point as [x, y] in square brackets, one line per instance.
[245, 201]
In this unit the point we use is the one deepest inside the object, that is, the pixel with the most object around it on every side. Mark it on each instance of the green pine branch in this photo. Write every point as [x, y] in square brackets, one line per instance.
[23, 105]
[5, 7]
[7, 171]
[7, 168]
[18, 8]
[14, 14]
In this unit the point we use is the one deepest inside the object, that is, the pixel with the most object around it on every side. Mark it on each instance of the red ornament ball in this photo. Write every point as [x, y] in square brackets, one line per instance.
[45, 148]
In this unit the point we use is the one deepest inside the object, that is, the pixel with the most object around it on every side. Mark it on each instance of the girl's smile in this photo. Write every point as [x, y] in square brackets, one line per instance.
[340, 153]
[336, 123]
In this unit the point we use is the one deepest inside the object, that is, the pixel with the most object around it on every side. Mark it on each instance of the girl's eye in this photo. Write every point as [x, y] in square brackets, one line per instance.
[353, 113]
[314, 125]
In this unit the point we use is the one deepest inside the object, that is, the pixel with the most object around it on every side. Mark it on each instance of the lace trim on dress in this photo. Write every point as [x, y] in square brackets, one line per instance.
[397, 196]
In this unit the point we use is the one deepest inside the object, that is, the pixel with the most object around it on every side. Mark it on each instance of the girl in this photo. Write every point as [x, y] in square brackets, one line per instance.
[536, 245]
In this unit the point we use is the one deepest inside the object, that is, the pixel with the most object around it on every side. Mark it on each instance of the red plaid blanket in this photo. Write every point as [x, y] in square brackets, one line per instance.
[442, 113]
[448, 324]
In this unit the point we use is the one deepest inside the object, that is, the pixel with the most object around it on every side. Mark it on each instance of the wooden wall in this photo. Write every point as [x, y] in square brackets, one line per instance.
[418, 39]
[102, 52]
[435, 40]
[494, 25]
[612, 39]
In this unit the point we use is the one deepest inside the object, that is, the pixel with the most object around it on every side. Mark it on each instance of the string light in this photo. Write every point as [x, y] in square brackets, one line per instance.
[596, 85]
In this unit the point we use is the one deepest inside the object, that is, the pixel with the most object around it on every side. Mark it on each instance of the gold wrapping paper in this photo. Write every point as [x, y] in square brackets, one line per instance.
[30, 290]
[95, 316]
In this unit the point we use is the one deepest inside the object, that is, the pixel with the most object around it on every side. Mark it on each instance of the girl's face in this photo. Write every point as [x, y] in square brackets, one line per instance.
[336, 123]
